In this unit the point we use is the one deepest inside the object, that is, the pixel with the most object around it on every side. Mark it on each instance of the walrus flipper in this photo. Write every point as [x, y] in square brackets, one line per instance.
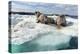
[38, 21]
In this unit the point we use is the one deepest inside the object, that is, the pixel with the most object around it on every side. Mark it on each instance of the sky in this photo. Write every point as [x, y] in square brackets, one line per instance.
[49, 8]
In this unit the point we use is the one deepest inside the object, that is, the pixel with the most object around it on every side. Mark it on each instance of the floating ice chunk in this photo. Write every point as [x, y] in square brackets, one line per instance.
[28, 30]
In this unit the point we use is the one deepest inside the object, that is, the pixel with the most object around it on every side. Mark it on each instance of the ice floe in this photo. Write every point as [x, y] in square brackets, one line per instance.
[27, 30]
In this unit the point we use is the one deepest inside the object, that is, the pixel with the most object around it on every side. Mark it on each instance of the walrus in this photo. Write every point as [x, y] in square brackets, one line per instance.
[43, 18]
[61, 21]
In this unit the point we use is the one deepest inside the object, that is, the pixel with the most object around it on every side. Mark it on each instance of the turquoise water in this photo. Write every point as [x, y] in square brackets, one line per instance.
[44, 42]
[34, 47]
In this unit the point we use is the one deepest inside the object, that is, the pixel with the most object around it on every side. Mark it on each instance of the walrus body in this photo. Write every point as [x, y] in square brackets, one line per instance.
[44, 19]
[61, 21]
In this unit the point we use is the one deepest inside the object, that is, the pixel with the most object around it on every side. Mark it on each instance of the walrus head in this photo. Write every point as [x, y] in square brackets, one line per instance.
[62, 16]
[63, 20]
[37, 13]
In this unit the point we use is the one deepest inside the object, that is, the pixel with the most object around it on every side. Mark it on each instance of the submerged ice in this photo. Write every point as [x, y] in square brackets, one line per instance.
[41, 34]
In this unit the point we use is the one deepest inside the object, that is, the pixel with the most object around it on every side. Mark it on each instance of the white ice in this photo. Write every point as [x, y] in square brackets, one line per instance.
[28, 29]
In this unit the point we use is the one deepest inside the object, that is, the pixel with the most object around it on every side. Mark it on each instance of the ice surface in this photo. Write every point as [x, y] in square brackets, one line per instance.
[27, 30]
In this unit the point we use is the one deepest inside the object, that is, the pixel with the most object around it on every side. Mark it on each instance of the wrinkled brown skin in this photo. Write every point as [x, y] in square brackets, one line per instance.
[43, 19]
[60, 21]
